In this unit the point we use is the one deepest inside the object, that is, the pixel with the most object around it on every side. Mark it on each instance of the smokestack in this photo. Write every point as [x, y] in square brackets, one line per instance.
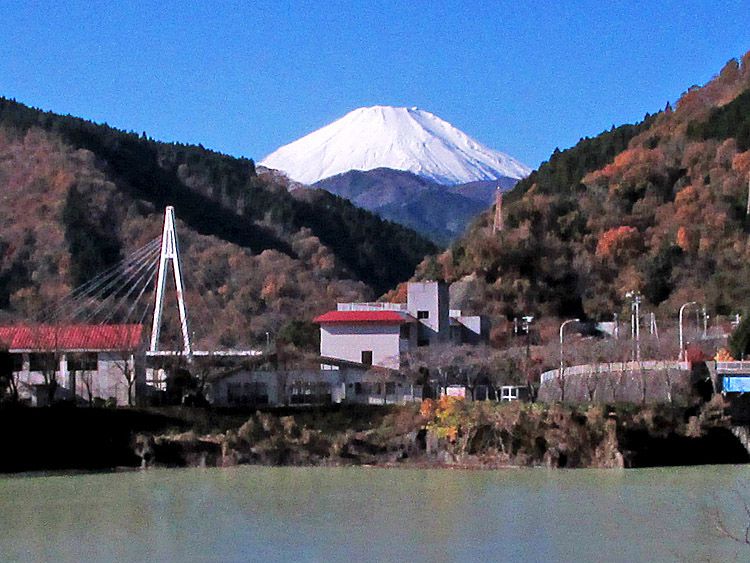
[498, 226]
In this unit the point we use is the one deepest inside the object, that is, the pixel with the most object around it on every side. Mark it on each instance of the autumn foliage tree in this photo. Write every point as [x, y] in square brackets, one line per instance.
[659, 206]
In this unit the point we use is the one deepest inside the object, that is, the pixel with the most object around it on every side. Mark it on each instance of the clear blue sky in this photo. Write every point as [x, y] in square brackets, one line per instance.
[246, 77]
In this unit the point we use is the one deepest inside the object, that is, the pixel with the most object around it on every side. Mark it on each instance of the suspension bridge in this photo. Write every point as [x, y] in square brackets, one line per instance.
[134, 292]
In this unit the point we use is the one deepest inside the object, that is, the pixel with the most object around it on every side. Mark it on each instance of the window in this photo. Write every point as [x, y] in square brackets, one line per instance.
[17, 362]
[390, 388]
[42, 362]
[10, 362]
[423, 342]
[367, 357]
[404, 332]
[85, 361]
[423, 314]
[309, 392]
[508, 393]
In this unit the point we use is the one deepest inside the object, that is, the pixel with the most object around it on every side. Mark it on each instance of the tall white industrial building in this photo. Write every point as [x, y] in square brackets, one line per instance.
[380, 334]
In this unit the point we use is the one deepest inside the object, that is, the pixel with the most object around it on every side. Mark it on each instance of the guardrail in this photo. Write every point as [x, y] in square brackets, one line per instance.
[376, 306]
[613, 367]
[733, 367]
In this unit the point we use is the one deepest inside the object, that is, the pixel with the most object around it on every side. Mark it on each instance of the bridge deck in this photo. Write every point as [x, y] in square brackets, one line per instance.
[206, 353]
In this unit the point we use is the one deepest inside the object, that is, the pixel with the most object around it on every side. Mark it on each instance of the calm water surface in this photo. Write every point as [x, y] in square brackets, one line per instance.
[363, 514]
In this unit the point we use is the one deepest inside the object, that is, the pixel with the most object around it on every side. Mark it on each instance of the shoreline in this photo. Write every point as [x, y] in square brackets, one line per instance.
[451, 435]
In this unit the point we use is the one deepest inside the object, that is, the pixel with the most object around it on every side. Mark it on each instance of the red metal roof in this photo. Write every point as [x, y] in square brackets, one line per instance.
[381, 317]
[72, 337]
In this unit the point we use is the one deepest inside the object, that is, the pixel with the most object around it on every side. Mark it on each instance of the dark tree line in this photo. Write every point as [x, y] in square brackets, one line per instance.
[219, 195]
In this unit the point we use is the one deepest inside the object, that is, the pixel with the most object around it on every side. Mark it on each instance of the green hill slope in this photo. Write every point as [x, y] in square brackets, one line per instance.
[77, 196]
[657, 207]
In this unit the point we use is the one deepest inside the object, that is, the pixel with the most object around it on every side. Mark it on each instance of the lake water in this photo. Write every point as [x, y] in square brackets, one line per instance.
[368, 514]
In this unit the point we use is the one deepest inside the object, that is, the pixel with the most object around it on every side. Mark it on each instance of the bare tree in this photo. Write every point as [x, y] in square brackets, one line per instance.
[8, 376]
[87, 378]
[125, 363]
[202, 369]
[46, 357]
[741, 537]
[507, 368]
[434, 362]
[592, 382]
[126, 366]
[283, 379]
[668, 384]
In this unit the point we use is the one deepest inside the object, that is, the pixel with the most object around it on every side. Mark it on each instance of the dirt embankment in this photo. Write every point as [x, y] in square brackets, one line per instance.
[452, 433]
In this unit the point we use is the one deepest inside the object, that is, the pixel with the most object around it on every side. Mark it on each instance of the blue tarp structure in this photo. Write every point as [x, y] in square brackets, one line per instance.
[736, 384]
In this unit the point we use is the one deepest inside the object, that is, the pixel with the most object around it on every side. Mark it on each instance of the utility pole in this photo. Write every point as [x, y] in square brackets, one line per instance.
[705, 323]
[637, 303]
[635, 323]
[562, 355]
[697, 324]
[654, 329]
[617, 326]
[527, 327]
[682, 342]
[747, 211]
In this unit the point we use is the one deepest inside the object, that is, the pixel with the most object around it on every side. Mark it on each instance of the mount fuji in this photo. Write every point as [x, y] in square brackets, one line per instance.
[405, 164]
[406, 139]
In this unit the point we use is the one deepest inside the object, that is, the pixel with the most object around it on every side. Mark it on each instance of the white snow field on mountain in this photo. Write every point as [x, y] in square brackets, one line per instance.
[408, 139]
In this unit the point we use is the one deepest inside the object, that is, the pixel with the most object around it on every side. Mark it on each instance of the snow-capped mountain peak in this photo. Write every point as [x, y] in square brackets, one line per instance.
[400, 138]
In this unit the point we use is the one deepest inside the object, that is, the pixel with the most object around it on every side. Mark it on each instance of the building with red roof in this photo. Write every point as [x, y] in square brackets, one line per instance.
[371, 337]
[75, 362]
[70, 338]
[380, 334]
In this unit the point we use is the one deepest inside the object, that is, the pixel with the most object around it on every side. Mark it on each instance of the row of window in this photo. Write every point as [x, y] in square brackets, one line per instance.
[46, 361]
[248, 393]
[374, 388]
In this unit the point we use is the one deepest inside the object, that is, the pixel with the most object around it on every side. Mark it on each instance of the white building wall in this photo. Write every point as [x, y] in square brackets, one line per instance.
[346, 385]
[106, 382]
[109, 380]
[431, 297]
[348, 341]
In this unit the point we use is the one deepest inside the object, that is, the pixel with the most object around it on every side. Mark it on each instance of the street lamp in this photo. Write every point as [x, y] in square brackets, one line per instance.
[635, 322]
[682, 310]
[562, 326]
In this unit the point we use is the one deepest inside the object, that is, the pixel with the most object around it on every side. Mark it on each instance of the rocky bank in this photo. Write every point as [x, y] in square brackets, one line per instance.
[454, 433]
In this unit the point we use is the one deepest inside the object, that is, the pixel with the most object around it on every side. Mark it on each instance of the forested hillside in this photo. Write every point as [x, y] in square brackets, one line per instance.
[77, 196]
[658, 207]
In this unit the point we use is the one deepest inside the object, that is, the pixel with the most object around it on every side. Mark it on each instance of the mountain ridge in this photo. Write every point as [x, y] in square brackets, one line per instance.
[438, 212]
[400, 138]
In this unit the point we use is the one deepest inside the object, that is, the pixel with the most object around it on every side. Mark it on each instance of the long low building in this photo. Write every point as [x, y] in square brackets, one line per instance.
[350, 382]
[74, 362]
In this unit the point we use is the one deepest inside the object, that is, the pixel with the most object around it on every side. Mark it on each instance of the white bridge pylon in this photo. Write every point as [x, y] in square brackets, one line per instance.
[170, 253]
